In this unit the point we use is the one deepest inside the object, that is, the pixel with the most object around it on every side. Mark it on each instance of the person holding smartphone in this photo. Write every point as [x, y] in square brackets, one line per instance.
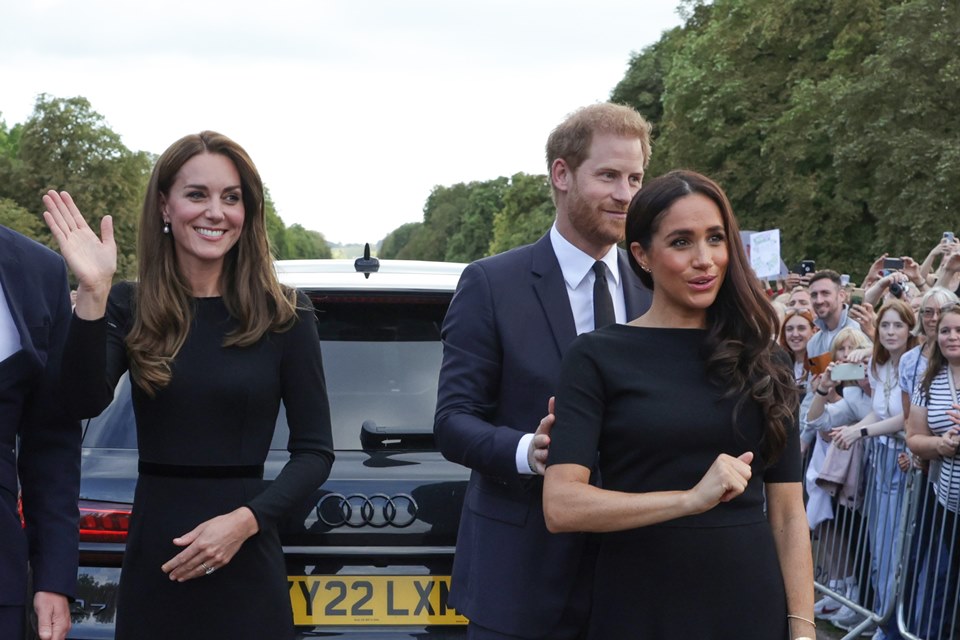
[836, 402]
[901, 274]
[942, 250]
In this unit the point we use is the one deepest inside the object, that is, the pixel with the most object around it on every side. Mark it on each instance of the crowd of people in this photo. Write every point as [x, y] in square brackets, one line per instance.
[865, 361]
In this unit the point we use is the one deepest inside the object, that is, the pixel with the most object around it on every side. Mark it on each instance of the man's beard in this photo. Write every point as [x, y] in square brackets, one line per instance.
[589, 222]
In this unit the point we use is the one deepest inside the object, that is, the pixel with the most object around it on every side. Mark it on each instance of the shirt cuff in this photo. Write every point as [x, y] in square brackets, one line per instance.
[523, 466]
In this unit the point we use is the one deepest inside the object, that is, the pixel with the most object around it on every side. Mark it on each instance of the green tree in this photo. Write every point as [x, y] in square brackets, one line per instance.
[897, 130]
[66, 145]
[19, 219]
[749, 97]
[305, 244]
[527, 213]
[471, 240]
[396, 240]
[276, 230]
[643, 85]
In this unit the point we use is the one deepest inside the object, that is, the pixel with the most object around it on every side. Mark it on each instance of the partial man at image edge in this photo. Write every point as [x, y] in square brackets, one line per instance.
[40, 451]
[510, 322]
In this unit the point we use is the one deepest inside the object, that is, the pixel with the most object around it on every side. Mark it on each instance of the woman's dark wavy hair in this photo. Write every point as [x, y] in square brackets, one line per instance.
[739, 349]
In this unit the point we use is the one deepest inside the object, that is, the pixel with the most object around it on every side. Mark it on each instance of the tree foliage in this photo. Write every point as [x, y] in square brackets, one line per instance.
[526, 215]
[467, 221]
[832, 120]
[396, 240]
[19, 219]
[66, 145]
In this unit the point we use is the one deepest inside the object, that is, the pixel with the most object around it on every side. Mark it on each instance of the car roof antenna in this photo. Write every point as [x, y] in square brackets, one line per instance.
[366, 265]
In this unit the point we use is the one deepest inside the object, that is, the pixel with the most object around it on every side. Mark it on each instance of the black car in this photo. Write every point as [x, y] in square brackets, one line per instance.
[370, 555]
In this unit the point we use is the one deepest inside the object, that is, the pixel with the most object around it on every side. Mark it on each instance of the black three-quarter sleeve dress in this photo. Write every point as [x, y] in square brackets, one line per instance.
[640, 397]
[202, 442]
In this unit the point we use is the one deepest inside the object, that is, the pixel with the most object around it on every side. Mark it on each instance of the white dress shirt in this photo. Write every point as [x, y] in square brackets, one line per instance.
[9, 335]
[577, 269]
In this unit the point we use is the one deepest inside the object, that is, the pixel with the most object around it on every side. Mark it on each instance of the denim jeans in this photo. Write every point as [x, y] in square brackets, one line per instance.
[883, 524]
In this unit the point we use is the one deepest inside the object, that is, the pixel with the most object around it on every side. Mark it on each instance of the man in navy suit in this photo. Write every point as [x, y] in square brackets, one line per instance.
[45, 468]
[508, 326]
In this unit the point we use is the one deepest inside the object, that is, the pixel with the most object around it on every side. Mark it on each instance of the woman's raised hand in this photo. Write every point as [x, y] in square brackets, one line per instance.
[92, 259]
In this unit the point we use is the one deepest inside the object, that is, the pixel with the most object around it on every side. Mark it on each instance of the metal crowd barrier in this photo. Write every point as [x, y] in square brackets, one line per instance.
[889, 555]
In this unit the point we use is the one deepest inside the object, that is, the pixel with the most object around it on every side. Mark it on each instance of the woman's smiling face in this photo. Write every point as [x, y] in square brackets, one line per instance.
[204, 208]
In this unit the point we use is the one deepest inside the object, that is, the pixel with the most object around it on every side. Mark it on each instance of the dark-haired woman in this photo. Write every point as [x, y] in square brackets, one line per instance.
[691, 410]
[213, 343]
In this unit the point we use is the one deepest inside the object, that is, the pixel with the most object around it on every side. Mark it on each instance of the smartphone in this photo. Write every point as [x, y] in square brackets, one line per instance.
[844, 279]
[856, 296]
[948, 236]
[848, 371]
[894, 264]
[807, 267]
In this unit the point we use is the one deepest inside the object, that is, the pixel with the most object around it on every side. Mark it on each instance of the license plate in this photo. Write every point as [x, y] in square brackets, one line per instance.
[372, 600]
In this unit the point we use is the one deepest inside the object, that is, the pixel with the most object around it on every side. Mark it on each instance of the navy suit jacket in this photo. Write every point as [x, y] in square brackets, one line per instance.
[504, 336]
[47, 461]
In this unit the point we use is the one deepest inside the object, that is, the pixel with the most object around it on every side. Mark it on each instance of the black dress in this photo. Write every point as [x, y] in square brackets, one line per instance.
[217, 413]
[641, 398]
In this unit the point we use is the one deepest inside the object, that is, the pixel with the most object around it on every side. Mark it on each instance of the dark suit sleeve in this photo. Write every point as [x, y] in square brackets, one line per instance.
[470, 379]
[49, 455]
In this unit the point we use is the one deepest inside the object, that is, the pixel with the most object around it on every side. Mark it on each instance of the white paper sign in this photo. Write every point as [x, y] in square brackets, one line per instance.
[765, 254]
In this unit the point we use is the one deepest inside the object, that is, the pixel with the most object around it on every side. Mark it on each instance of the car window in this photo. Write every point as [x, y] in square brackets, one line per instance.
[381, 360]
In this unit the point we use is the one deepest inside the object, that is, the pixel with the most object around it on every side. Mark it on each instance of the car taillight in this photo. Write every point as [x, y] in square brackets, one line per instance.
[104, 521]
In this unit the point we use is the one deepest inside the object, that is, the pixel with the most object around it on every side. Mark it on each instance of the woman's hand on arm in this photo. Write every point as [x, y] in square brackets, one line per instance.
[570, 503]
[791, 537]
[844, 437]
[210, 545]
[92, 260]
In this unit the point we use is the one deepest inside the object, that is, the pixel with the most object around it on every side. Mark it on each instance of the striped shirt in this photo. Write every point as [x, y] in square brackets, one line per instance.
[937, 403]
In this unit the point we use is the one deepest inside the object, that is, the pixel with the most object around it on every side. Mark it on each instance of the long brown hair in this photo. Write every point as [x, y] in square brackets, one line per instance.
[880, 353]
[739, 352]
[248, 284]
[806, 315]
[937, 360]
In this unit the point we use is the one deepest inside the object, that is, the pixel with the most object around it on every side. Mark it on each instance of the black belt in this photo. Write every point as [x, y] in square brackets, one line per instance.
[200, 471]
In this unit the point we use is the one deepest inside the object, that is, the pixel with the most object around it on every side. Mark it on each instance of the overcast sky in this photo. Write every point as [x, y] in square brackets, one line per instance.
[352, 110]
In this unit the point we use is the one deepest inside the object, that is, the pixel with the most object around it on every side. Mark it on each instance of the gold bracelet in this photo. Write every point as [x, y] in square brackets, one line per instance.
[802, 619]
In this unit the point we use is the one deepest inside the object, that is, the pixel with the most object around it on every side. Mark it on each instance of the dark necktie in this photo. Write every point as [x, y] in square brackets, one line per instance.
[602, 302]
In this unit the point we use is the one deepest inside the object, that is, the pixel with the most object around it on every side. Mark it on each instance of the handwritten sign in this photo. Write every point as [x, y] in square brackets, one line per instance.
[765, 254]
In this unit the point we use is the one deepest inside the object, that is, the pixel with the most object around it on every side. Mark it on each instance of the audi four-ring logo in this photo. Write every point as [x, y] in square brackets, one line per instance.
[357, 510]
